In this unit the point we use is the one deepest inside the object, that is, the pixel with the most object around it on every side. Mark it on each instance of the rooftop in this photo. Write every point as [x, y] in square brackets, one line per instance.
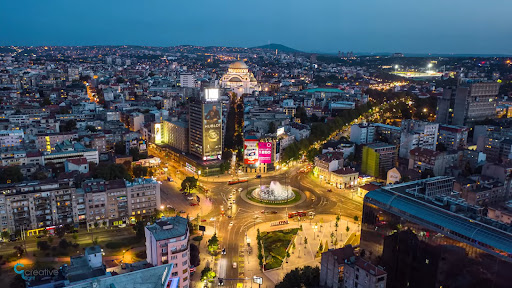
[167, 228]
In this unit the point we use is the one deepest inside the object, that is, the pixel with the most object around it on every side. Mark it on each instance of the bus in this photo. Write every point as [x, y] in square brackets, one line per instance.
[297, 214]
[233, 182]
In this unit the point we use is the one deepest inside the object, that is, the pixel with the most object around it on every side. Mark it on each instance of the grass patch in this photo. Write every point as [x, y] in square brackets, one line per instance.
[275, 244]
[294, 200]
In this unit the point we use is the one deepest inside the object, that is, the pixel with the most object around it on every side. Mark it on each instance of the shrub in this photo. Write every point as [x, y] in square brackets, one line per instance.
[198, 238]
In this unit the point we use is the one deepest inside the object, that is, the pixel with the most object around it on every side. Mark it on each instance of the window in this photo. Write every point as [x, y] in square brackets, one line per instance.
[174, 274]
[184, 262]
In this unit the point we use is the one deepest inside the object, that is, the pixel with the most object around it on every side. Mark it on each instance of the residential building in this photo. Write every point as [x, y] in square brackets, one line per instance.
[453, 137]
[362, 133]
[420, 233]
[143, 197]
[30, 206]
[135, 121]
[497, 149]
[345, 177]
[327, 163]
[387, 134]
[47, 142]
[332, 266]
[106, 202]
[378, 158]
[167, 241]
[428, 160]
[474, 158]
[467, 103]
[501, 213]
[11, 138]
[77, 164]
[481, 190]
[188, 80]
[299, 131]
[417, 134]
[359, 273]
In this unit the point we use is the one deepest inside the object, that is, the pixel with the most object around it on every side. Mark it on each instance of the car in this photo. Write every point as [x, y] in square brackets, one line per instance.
[193, 204]
[229, 216]
[273, 212]
[234, 265]
[223, 251]
[240, 189]
[263, 211]
[329, 190]
[313, 198]
[183, 211]
[203, 220]
[258, 176]
[230, 223]
[122, 225]
[170, 206]
[190, 198]
[212, 219]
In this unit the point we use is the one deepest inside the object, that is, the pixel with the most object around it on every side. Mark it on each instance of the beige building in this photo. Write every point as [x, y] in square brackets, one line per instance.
[358, 273]
[344, 178]
[106, 202]
[143, 197]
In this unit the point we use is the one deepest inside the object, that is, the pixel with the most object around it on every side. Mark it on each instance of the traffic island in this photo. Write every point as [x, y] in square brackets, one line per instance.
[298, 197]
[275, 247]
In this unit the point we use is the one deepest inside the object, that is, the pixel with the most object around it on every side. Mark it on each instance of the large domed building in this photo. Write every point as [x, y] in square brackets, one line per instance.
[239, 79]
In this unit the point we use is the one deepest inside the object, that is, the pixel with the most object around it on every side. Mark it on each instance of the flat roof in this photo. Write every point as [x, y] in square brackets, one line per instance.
[439, 216]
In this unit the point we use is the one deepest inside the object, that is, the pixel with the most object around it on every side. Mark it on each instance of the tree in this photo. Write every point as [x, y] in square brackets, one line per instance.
[302, 115]
[111, 171]
[60, 231]
[46, 101]
[120, 148]
[139, 230]
[272, 127]
[356, 218]
[213, 244]
[306, 277]
[194, 255]
[91, 128]
[69, 125]
[207, 274]
[11, 174]
[75, 237]
[305, 240]
[135, 153]
[43, 245]
[63, 244]
[140, 171]
[5, 235]
[326, 246]
[189, 183]
[348, 229]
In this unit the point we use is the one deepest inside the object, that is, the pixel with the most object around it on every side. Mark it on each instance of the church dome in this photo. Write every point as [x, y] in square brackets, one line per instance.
[239, 65]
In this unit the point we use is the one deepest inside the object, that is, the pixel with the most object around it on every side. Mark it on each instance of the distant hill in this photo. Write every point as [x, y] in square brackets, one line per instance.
[279, 47]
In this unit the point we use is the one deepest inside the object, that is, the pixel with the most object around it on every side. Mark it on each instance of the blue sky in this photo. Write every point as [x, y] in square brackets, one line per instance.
[410, 26]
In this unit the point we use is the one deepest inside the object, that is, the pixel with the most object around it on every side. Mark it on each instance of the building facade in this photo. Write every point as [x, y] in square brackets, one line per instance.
[167, 241]
[378, 158]
[417, 134]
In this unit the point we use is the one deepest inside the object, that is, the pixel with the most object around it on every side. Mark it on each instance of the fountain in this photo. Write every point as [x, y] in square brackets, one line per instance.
[275, 192]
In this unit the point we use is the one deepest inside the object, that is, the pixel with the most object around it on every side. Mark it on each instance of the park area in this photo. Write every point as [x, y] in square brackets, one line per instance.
[275, 246]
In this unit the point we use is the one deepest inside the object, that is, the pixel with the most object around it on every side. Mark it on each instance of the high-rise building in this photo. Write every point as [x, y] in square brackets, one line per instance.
[188, 80]
[378, 158]
[467, 103]
[205, 126]
[417, 134]
[167, 242]
[424, 236]
[453, 137]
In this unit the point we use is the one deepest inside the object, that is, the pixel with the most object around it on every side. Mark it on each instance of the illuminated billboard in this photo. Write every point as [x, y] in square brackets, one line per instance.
[280, 131]
[158, 133]
[211, 94]
[250, 152]
[212, 130]
[265, 152]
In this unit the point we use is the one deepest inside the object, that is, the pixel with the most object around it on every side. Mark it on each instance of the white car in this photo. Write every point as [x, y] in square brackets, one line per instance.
[240, 189]
[234, 265]
[212, 219]
[230, 224]
[190, 198]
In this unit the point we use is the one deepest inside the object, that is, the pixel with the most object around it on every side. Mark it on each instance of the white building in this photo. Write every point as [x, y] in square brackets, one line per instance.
[239, 79]
[11, 138]
[417, 134]
[363, 133]
[188, 80]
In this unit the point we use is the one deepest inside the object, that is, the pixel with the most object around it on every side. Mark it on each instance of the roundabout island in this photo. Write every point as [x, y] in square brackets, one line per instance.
[273, 195]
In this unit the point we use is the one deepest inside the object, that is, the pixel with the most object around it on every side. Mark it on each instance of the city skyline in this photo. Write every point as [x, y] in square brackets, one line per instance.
[384, 28]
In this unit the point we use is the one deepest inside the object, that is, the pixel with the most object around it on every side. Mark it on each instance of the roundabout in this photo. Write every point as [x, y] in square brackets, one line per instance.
[273, 195]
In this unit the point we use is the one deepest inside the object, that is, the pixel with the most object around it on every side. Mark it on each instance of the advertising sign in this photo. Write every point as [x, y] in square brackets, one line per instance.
[265, 152]
[251, 152]
[158, 133]
[211, 94]
[280, 131]
[212, 130]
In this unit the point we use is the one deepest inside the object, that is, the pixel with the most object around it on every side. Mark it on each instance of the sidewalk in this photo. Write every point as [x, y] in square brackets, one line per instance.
[303, 254]
[206, 259]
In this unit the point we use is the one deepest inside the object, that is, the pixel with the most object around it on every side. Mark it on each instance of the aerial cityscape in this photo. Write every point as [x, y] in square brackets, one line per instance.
[321, 159]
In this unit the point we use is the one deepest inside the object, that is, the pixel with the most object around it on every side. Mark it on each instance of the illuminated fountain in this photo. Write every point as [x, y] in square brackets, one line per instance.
[275, 192]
